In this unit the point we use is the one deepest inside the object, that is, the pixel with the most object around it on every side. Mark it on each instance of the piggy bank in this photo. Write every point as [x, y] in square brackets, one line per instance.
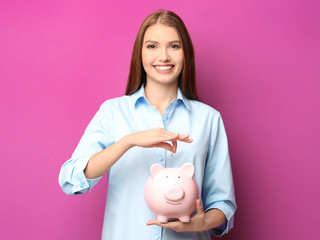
[171, 193]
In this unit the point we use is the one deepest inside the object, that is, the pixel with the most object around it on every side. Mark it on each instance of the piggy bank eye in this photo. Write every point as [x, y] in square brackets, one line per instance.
[178, 176]
[167, 176]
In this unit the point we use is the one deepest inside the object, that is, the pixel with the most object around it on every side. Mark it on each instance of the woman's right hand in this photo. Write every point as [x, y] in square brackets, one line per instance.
[157, 137]
[100, 162]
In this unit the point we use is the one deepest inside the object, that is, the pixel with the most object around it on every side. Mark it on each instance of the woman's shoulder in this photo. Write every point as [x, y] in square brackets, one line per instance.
[203, 108]
[116, 101]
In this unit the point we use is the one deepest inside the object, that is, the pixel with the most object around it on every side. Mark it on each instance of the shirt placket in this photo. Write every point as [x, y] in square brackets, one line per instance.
[162, 153]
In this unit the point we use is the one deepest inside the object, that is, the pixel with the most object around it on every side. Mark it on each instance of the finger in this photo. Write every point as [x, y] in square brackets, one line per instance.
[150, 222]
[185, 138]
[181, 138]
[164, 134]
[174, 146]
[188, 140]
[184, 135]
[155, 222]
[172, 135]
[169, 136]
[164, 145]
[199, 207]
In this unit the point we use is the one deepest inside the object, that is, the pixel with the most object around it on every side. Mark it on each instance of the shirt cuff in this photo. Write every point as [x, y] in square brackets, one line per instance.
[228, 212]
[83, 184]
[219, 231]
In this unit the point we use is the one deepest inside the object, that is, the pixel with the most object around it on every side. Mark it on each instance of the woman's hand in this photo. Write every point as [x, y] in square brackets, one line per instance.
[100, 162]
[196, 224]
[157, 137]
[201, 221]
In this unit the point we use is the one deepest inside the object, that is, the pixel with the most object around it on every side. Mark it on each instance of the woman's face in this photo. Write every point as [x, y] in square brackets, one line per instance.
[162, 54]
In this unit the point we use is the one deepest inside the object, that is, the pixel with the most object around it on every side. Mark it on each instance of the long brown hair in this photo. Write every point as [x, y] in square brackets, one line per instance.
[137, 74]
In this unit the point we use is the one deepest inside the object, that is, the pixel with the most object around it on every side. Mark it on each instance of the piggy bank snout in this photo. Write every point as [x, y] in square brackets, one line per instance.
[174, 193]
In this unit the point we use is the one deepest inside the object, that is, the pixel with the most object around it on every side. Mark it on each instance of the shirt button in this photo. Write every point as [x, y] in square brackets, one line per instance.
[81, 185]
[156, 236]
[165, 117]
[161, 159]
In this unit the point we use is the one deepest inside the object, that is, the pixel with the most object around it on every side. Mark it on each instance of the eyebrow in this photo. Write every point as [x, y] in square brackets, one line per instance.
[152, 41]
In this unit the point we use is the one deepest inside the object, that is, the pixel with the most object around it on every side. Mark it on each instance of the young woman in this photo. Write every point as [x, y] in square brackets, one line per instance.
[130, 133]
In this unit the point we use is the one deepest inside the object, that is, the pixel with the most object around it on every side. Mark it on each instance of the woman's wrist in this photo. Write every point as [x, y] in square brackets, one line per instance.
[214, 218]
[127, 141]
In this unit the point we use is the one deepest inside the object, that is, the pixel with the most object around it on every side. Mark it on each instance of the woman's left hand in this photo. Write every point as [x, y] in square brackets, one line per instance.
[197, 223]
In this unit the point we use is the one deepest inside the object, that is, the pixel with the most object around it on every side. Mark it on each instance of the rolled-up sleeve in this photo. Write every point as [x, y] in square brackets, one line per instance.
[218, 188]
[97, 136]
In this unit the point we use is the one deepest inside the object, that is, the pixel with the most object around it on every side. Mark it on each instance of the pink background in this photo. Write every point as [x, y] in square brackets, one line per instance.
[257, 63]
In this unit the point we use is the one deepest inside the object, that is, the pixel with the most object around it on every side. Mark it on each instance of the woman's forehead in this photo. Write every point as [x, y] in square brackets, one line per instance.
[161, 33]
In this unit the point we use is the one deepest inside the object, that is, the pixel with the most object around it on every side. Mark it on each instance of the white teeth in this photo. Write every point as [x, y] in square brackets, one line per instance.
[164, 68]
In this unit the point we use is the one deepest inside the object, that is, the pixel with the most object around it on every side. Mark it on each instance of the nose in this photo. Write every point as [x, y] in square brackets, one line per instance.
[164, 56]
[174, 193]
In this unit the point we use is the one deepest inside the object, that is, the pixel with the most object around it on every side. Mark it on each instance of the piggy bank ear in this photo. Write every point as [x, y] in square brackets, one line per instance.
[155, 169]
[188, 168]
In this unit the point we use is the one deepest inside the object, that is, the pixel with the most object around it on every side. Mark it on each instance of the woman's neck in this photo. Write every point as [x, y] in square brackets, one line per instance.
[160, 95]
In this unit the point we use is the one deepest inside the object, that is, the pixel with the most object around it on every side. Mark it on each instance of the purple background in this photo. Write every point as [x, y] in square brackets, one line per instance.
[257, 63]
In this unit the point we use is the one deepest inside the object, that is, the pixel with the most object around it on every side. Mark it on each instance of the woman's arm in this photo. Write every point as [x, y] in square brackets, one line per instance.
[102, 161]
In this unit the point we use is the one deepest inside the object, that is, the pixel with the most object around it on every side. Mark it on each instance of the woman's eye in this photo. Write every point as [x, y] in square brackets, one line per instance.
[175, 46]
[151, 46]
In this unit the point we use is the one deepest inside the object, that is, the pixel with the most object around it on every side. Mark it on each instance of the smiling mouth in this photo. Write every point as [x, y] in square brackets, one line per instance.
[163, 68]
[173, 203]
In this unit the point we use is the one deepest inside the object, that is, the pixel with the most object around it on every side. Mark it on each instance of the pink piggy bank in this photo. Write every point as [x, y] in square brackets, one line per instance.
[171, 192]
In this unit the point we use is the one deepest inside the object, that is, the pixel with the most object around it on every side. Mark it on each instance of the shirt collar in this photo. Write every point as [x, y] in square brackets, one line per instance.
[140, 94]
[185, 100]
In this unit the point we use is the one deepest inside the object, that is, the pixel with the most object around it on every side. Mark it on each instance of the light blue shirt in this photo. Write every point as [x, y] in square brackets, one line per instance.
[126, 212]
